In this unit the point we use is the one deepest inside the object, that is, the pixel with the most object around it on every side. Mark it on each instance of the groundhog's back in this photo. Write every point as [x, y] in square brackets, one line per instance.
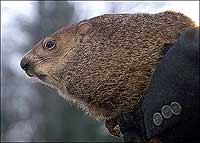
[110, 70]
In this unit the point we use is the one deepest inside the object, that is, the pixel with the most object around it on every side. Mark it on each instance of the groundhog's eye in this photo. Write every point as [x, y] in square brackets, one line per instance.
[49, 44]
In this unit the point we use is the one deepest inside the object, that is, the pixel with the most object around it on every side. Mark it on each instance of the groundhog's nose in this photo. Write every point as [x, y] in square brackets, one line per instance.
[26, 64]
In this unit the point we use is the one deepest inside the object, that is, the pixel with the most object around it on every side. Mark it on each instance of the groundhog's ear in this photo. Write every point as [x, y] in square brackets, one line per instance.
[85, 28]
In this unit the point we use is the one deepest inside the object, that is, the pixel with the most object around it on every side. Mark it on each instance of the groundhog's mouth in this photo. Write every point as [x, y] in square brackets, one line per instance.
[40, 76]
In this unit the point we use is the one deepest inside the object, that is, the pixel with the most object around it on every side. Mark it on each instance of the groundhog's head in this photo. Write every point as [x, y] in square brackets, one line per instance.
[48, 56]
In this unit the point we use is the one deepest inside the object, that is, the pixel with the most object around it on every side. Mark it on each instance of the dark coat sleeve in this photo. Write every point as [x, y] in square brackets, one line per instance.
[172, 102]
[170, 107]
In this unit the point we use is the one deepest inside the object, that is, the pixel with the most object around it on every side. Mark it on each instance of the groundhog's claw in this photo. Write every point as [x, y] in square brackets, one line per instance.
[113, 128]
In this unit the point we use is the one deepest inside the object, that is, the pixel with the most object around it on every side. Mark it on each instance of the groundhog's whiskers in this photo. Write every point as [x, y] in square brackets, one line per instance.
[34, 79]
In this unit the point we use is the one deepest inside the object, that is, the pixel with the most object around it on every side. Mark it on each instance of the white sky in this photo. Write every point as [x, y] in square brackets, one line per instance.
[12, 8]
[189, 8]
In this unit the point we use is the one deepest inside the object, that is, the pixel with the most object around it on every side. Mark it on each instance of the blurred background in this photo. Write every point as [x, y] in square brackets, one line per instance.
[31, 111]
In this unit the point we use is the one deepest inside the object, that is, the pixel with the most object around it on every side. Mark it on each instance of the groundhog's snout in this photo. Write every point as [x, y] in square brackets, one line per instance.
[27, 66]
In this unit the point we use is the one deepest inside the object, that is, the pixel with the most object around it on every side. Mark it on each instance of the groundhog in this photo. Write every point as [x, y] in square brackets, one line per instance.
[104, 64]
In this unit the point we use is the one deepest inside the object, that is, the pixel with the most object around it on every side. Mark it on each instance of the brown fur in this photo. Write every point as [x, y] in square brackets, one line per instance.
[106, 71]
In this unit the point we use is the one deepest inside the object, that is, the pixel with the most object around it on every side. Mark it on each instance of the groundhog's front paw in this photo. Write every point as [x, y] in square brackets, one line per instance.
[113, 127]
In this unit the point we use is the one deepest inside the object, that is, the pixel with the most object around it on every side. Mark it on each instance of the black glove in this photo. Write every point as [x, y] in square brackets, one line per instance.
[170, 108]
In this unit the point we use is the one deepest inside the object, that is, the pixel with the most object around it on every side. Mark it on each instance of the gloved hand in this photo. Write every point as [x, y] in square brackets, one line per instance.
[170, 108]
